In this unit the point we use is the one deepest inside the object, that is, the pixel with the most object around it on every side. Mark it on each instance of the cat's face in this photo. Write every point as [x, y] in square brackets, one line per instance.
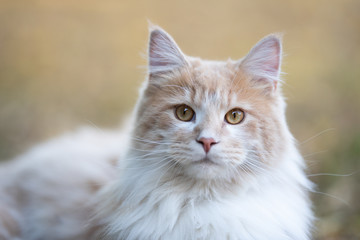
[209, 120]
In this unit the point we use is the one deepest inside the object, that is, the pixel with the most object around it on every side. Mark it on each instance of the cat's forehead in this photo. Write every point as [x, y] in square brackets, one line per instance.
[215, 73]
[214, 83]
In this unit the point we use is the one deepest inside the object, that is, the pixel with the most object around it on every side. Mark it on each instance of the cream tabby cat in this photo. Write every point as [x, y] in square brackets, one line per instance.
[209, 156]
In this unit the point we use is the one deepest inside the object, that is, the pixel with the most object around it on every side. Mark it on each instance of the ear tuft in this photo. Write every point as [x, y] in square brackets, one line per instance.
[264, 59]
[164, 54]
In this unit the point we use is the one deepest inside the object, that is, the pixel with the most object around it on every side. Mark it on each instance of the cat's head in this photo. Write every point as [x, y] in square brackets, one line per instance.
[211, 119]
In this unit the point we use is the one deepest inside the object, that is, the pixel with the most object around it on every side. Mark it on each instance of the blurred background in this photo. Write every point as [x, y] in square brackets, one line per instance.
[64, 64]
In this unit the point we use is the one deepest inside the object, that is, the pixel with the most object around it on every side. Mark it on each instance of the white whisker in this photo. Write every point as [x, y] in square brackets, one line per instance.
[317, 135]
[333, 174]
[333, 196]
[314, 153]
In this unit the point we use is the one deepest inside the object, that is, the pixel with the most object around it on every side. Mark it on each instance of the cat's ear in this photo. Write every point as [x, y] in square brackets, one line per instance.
[164, 54]
[263, 62]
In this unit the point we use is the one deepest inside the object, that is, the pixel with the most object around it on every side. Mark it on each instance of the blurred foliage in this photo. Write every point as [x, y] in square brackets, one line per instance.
[70, 63]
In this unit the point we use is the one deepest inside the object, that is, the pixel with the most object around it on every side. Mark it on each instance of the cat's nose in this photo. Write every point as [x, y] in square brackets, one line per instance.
[207, 143]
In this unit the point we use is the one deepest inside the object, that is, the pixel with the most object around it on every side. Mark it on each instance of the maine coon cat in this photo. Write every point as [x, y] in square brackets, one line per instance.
[209, 156]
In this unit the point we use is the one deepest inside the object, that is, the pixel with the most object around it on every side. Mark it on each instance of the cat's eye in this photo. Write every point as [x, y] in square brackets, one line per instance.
[234, 116]
[184, 113]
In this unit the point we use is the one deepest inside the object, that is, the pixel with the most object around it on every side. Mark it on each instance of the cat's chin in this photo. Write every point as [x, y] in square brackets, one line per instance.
[205, 162]
[204, 168]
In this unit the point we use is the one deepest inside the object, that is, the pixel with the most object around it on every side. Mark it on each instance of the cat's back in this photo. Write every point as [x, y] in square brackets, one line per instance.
[47, 191]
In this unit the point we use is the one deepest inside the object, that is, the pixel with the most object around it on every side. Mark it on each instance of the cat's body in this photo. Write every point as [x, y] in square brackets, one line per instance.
[46, 193]
[209, 157]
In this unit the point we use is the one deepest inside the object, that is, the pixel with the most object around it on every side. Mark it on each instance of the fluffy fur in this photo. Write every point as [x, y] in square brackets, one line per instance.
[45, 193]
[249, 186]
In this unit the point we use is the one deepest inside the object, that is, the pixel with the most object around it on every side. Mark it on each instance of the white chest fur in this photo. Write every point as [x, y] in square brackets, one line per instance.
[276, 210]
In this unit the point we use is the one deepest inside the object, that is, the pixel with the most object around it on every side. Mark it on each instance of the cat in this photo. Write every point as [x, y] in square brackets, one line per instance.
[207, 154]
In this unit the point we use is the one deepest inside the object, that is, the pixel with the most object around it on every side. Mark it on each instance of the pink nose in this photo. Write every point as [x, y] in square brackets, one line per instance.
[207, 143]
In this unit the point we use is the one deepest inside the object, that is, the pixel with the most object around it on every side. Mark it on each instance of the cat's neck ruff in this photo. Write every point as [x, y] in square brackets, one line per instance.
[185, 208]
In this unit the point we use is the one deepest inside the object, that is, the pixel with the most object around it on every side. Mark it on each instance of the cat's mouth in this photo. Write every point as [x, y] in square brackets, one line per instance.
[205, 161]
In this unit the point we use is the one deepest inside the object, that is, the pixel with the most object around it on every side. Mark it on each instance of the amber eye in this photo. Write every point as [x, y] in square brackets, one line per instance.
[234, 116]
[184, 113]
